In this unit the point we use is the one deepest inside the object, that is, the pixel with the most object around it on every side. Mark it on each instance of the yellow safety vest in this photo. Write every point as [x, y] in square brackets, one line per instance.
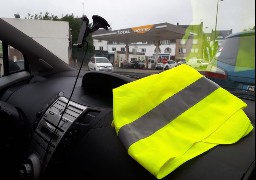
[169, 118]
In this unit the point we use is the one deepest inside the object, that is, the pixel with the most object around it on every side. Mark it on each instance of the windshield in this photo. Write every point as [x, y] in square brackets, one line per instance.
[102, 60]
[235, 62]
[218, 33]
[238, 51]
[127, 89]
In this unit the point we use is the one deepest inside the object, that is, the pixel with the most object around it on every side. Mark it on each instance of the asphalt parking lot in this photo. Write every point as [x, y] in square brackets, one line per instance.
[147, 71]
[138, 73]
[135, 73]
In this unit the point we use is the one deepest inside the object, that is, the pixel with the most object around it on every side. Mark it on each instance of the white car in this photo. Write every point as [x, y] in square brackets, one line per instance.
[197, 63]
[159, 66]
[100, 64]
[170, 64]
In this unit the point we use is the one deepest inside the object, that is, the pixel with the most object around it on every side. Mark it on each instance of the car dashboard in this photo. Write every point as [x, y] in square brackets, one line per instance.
[73, 137]
[42, 100]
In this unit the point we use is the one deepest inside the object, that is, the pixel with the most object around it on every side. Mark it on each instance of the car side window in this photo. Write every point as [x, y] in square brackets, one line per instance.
[11, 60]
[16, 60]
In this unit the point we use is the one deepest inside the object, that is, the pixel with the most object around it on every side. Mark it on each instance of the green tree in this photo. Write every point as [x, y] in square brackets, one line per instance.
[253, 28]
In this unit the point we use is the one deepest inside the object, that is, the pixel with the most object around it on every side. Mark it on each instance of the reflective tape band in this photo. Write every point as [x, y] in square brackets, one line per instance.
[165, 112]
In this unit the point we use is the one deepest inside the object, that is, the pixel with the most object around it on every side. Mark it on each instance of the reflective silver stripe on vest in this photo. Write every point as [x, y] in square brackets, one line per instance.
[165, 112]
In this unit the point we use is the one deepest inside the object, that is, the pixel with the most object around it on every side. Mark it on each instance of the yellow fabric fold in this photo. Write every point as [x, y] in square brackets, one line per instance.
[216, 119]
[142, 95]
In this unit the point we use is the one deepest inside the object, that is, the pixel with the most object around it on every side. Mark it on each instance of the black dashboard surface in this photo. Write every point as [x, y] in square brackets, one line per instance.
[92, 89]
[99, 154]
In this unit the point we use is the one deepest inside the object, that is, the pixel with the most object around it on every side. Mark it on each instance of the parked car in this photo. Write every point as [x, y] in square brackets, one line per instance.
[100, 64]
[159, 66]
[170, 64]
[136, 64]
[233, 67]
[182, 61]
[197, 63]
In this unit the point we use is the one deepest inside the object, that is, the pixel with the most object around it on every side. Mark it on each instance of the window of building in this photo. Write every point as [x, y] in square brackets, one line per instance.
[166, 42]
[113, 49]
[194, 50]
[134, 50]
[183, 41]
[122, 49]
[168, 50]
[101, 48]
[143, 50]
[193, 33]
[99, 40]
[182, 50]
[195, 41]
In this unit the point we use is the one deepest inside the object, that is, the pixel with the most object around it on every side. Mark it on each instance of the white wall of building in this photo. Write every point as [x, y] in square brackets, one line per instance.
[98, 44]
[149, 48]
[53, 35]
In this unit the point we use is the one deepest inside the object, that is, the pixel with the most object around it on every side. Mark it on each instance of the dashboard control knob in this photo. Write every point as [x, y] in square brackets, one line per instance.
[25, 171]
[30, 170]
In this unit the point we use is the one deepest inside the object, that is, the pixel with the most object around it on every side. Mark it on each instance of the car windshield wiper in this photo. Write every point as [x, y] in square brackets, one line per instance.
[244, 94]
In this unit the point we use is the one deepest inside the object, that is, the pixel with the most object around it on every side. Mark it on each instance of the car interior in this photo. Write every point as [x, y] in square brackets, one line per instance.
[36, 144]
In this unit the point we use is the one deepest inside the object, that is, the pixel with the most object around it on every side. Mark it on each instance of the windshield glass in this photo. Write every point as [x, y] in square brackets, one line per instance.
[102, 60]
[238, 51]
[217, 33]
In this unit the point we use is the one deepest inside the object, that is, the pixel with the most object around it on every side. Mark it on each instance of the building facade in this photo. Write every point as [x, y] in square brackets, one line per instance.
[53, 35]
[191, 45]
[194, 44]
[142, 51]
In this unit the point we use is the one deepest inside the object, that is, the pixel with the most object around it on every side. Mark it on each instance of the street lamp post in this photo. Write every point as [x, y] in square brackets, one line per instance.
[215, 29]
[83, 8]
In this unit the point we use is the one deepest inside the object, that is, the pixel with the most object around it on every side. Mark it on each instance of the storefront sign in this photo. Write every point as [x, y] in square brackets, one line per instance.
[142, 29]
[123, 32]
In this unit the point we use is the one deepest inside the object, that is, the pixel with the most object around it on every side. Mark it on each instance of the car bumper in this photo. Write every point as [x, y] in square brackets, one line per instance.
[159, 68]
[105, 69]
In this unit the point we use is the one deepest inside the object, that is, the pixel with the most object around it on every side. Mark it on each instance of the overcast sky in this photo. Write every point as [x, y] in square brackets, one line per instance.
[233, 14]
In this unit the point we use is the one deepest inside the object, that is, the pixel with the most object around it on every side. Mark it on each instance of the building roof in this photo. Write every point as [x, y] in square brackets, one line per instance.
[192, 30]
[221, 34]
[147, 33]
